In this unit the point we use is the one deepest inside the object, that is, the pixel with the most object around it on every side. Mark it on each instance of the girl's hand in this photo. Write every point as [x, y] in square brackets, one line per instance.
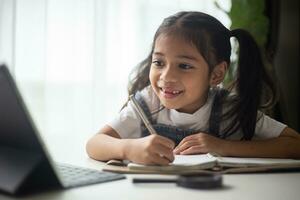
[153, 149]
[199, 143]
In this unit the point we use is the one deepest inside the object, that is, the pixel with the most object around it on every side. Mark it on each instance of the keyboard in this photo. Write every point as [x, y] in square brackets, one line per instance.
[72, 176]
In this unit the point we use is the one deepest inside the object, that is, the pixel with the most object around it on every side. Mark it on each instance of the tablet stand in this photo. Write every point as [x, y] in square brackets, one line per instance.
[25, 172]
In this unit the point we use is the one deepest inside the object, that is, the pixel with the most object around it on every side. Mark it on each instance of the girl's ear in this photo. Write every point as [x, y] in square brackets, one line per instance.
[218, 74]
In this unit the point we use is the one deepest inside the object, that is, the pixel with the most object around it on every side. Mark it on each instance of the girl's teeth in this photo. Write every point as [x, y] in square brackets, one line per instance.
[172, 92]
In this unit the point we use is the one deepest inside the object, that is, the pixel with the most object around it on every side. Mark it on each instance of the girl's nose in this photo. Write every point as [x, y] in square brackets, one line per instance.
[168, 75]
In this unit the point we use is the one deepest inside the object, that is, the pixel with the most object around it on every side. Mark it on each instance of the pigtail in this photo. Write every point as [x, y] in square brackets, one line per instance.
[249, 85]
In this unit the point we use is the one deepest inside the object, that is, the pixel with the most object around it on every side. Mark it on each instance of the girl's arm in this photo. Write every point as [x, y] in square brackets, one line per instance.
[287, 145]
[107, 138]
[153, 149]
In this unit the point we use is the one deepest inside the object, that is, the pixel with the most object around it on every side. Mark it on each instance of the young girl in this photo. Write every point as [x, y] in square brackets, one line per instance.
[178, 87]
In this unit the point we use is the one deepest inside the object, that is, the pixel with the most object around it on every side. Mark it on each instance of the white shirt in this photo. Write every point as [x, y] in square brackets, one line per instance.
[128, 124]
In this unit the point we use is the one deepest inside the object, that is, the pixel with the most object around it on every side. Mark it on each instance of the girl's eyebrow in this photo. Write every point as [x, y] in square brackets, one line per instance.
[157, 54]
[178, 56]
[187, 57]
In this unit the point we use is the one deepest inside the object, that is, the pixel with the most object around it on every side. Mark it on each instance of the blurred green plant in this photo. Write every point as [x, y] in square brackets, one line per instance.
[248, 15]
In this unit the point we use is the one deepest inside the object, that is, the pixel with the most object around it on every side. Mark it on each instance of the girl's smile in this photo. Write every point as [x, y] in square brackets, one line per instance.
[170, 93]
[179, 75]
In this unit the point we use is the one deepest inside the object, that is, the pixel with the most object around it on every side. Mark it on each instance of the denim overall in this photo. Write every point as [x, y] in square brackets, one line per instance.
[177, 134]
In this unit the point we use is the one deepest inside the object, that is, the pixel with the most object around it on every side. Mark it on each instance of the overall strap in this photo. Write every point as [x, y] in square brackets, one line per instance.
[144, 106]
[216, 113]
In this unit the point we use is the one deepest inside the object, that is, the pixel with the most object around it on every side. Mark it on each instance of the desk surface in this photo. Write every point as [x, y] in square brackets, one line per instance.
[236, 186]
[239, 186]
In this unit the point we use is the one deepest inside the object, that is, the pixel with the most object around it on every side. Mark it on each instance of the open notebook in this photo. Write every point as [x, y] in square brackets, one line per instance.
[184, 164]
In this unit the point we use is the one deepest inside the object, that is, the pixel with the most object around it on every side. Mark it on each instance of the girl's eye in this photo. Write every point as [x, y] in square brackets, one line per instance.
[185, 66]
[157, 63]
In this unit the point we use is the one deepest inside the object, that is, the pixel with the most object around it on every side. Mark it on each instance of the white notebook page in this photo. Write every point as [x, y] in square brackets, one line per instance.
[193, 159]
[256, 161]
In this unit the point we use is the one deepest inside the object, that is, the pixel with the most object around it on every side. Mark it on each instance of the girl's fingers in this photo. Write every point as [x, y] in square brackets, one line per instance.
[181, 143]
[165, 152]
[185, 146]
[166, 142]
[159, 160]
[188, 138]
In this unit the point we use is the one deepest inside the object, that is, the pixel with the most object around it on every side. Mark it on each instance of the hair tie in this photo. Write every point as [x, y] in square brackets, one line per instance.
[231, 33]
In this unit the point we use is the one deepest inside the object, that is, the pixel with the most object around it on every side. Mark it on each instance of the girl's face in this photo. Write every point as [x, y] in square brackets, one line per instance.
[179, 75]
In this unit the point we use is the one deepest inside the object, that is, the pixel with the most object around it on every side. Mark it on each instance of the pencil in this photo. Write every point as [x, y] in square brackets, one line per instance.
[143, 116]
